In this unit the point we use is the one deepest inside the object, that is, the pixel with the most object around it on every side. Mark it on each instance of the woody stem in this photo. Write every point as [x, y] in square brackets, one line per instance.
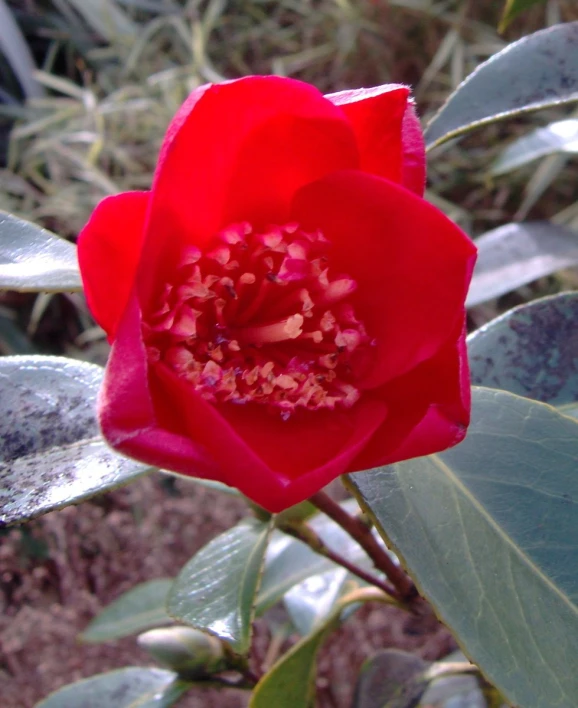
[361, 533]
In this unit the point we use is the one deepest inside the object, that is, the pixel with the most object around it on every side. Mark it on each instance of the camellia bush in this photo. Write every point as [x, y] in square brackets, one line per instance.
[286, 308]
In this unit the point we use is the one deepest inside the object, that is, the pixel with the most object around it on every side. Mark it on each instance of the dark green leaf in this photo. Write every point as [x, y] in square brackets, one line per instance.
[514, 8]
[537, 71]
[561, 136]
[33, 259]
[216, 589]
[516, 254]
[125, 688]
[489, 531]
[532, 351]
[51, 452]
[138, 609]
[391, 679]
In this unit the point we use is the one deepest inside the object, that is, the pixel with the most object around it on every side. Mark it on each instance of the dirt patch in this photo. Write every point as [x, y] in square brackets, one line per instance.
[58, 572]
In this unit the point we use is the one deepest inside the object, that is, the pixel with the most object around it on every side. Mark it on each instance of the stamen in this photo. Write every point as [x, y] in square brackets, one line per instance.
[259, 317]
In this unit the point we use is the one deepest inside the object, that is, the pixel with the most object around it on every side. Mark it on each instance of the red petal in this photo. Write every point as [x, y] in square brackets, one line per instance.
[128, 419]
[109, 248]
[412, 265]
[388, 133]
[238, 151]
[429, 409]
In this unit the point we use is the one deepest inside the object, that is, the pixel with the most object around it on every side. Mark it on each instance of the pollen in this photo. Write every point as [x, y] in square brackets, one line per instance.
[260, 317]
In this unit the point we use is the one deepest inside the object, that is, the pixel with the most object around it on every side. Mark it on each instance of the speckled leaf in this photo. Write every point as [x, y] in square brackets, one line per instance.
[513, 8]
[51, 452]
[133, 687]
[537, 71]
[33, 259]
[140, 608]
[391, 679]
[489, 531]
[516, 254]
[216, 590]
[532, 351]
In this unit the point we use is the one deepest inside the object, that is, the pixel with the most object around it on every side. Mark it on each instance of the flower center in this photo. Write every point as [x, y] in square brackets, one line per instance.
[258, 317]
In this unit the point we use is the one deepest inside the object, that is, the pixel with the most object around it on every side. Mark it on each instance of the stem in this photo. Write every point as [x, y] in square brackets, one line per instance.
[405, 590]
[307, 535]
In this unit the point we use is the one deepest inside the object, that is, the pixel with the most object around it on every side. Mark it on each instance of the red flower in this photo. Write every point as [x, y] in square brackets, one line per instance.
[283, 304]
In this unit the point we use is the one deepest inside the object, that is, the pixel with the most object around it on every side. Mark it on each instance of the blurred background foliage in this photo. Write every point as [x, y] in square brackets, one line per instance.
[87, 88]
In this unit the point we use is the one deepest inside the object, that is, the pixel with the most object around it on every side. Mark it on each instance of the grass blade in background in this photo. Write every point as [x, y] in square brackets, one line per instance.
[106, 19]
[537, 71]
[15, 49]
[516, 254]
[513, 8]
[560, 136]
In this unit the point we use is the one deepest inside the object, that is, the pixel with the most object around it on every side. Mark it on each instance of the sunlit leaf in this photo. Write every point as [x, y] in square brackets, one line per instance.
[216, 590]
[513, 8]
[532, 350]
[561, 136]
[51, 451]
[516, 254]
[537, 71]
[33, 259]
[134, 687]
[136, 610]
[489, 531]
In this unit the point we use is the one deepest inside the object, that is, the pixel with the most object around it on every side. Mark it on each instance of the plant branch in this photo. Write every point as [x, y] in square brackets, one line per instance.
[405, 590]
[305, 533]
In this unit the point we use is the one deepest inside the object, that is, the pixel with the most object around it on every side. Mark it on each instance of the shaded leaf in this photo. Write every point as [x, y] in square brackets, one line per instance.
[51, 451]
[138, 609]
[537, 71]
[125, 688]
[532, 351]
[33, 259]
[513, 8]
[516, 254]
[391, 679]
[216, 589]
[561, 136]
[489, 532]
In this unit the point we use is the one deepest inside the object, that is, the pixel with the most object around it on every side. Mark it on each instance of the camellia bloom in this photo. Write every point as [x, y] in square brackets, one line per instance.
[284, 306]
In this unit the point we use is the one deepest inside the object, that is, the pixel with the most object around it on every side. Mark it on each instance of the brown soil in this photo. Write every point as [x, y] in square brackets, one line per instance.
[58, 572]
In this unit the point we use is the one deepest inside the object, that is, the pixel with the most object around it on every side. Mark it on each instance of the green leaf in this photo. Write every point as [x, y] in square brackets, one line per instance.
[391, 679]
[33, 259]
[514, 8]
[531, 351]
[516, 254]
[537, 71]
[138, 609]
[126, 688]
[216, 590]
[561, 136]
[51, 451]
[489, 531]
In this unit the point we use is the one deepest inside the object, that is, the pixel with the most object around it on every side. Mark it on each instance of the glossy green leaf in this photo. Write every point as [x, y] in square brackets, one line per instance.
[489, 531]
[133, 687]
[217, 588]
[513, 8]
[391, 679]
[51, 451]
[561, 136]
[33, 259]
[516, 254]
[532, 351]
[140, 608]
[537, 71]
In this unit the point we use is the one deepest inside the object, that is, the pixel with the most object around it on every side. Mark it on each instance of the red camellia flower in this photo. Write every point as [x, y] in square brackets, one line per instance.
[283, 304]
